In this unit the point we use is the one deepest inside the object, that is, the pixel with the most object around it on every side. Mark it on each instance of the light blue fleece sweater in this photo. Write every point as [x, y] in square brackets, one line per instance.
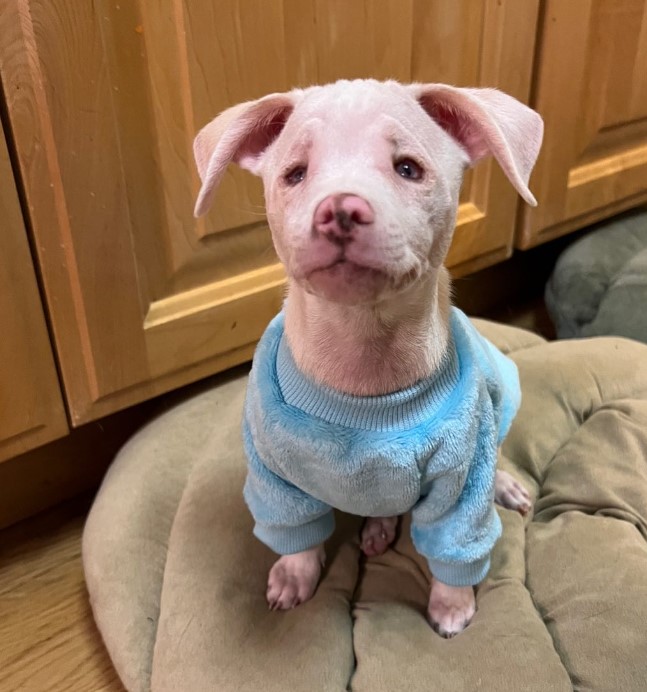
[430, 448]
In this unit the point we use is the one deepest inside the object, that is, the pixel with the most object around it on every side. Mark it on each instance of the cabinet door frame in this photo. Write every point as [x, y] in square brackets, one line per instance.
[32, 411]
[593, 163]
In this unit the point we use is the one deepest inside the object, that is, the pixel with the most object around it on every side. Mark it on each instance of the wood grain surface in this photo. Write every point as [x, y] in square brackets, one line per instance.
[48, 640]
[31, 405]
[591, 89]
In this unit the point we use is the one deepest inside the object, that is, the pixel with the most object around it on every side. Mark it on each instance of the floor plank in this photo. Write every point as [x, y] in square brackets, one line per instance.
[48, 639]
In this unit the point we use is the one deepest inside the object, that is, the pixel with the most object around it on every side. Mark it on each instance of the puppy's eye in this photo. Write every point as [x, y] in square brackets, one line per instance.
[407, 168]
[296, 175]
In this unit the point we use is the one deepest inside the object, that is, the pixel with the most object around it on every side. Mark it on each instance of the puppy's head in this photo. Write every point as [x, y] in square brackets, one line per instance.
[362, 178]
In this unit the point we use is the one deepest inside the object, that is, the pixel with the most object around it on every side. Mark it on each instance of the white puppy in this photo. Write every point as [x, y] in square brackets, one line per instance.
[369, 393]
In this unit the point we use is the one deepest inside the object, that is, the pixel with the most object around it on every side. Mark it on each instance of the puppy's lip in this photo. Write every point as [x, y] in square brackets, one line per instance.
[351, 269]
[308, 265]
[350, 265]
[347, 282]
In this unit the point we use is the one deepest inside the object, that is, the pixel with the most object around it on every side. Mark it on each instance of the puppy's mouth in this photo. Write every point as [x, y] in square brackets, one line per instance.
[346, 268]
[349, 282]
[343, 281]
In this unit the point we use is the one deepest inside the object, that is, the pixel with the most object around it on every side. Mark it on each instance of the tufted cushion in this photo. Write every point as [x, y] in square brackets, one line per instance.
[599, 285]
[177, 580]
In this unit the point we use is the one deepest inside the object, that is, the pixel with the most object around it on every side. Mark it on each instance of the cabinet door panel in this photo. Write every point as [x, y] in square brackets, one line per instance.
[31, 406]
[591, 88]
[105, 99]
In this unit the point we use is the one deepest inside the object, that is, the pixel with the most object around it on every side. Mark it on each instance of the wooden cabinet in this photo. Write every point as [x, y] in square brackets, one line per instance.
[31, 405]
[104, 99]
[591, 89]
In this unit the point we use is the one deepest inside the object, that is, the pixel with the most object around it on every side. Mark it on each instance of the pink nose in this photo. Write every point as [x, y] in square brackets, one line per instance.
[338, 216]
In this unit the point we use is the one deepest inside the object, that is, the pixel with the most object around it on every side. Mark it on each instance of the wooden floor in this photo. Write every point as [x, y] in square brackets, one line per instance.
[48, 640]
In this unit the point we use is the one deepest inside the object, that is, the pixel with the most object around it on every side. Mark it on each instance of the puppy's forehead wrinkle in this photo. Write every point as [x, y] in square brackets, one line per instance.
[371, 139]
[296, 143]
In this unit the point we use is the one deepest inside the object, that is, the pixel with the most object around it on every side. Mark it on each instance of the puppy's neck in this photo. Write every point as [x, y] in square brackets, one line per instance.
[370, 350]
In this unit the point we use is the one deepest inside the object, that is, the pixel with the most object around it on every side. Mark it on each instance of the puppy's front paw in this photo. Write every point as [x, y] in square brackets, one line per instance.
[451, 608]
[377, 535]
[510, 494]
[294, 578]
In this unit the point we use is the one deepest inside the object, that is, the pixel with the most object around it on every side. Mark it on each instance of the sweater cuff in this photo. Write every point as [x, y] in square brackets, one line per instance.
[287, 540]
[453, 574]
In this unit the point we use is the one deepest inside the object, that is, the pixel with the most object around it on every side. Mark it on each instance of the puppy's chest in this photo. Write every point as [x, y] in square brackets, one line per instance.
[352, 479]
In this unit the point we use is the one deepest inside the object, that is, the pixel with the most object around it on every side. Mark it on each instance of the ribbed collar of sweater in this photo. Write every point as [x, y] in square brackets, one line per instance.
[397, 411]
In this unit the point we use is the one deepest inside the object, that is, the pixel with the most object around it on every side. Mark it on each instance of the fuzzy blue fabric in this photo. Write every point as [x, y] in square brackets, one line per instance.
[431, 449]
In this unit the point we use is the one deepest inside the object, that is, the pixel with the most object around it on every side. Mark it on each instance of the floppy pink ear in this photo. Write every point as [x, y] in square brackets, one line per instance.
[240, 134]
[487, 121]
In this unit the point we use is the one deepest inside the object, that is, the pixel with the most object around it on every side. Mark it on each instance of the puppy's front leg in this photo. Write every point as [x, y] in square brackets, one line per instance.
[451, 608]
[294, 578]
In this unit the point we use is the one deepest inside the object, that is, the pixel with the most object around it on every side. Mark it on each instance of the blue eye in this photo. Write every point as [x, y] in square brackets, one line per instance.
[407, 168]
[296, 175]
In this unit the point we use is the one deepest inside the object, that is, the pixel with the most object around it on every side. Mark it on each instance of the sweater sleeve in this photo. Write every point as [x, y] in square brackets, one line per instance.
[458, 543]
[287, 519]
[504, 388]
[502, 377]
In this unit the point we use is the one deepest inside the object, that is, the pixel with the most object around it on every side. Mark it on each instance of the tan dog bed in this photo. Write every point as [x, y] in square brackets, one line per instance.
[177, 580]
